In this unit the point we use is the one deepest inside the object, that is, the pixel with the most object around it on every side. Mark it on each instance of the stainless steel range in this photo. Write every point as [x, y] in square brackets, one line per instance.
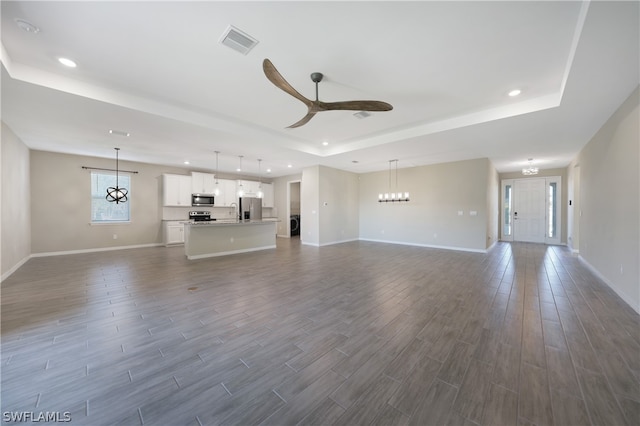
[200, 216]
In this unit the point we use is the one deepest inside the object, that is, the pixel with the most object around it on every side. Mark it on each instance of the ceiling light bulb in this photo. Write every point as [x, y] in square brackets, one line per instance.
[515, 92]
[67, 62]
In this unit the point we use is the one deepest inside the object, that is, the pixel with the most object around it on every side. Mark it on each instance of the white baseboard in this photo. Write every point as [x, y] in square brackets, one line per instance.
[14, 268]
[226, 253]
[330, 243]
[93, 250]
[427, 245]
[62, 253]
[623, 296]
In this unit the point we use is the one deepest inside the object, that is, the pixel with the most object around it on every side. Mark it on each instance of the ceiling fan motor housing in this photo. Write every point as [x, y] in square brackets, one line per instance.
[316, 77]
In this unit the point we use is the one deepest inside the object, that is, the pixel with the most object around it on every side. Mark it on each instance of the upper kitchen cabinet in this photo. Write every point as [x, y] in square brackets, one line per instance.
[267, 197]
[176, 190]
[226, 193]
[202, 183]
[247, 188]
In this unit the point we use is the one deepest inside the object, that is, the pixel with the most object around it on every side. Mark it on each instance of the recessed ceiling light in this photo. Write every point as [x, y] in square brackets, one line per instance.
[27, 26]
[67, 62]
[325, 143]
[186, 162]
[268, 170]
[289, 166]
[515, 92]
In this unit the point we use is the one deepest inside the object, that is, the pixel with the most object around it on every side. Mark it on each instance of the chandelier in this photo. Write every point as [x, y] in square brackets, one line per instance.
[391, 197]
[530, 170]
[117, 194]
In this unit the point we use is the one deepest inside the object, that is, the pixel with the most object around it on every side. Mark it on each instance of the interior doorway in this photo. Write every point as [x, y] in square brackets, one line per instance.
[293, 207]
[531, 210]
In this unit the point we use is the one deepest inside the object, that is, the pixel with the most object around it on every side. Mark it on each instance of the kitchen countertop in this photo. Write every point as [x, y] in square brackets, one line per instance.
[229, 222]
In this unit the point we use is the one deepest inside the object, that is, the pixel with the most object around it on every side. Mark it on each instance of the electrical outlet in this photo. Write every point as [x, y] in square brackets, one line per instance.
[115, 236]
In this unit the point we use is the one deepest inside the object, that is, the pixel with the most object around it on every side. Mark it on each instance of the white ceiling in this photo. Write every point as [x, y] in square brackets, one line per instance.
[158, 71]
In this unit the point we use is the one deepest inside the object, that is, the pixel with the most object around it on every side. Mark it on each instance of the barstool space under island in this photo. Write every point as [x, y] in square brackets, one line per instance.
[219, 238]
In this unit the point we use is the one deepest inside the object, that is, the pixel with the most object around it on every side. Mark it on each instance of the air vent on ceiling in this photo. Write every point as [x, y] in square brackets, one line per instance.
[238, 40]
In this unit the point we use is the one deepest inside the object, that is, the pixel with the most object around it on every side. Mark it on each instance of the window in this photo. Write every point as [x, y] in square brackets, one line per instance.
[553, 210]
[103, 211]
[506, 214]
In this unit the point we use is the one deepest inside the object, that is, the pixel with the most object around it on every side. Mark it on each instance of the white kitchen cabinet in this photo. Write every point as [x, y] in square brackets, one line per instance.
[203, 183]
[250, 188]
[176, 190]
[267, 197]
[173, 232]
[227, 193]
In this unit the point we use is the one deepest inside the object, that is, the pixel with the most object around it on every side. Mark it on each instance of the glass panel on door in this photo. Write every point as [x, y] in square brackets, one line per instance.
[553, 210]
[506, 213]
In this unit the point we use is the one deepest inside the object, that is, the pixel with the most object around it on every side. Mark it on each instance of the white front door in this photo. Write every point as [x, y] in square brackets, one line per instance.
[529, 210]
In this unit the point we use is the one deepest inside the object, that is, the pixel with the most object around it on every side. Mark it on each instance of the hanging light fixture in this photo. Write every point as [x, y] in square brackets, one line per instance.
[393, 196]
[530, 170]
[240, 187]
[260, 193]
[216, 191]
[117, 194]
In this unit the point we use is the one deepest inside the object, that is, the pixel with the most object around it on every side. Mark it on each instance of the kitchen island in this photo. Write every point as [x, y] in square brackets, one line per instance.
[220, 238]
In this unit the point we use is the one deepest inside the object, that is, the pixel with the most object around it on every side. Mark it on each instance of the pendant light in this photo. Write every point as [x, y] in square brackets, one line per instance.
[260, 193]
[393, 196]
[117, 194]
[216, 191]
[240, 187]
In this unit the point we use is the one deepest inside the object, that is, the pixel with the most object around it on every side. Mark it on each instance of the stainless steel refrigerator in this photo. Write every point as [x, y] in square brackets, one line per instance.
[251, 208]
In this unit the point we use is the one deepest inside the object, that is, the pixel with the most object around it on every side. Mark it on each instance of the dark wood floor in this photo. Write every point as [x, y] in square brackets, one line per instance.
[355, 333]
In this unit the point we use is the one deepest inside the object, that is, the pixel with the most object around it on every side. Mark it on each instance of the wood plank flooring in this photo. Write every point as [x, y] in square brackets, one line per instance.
[350, 334]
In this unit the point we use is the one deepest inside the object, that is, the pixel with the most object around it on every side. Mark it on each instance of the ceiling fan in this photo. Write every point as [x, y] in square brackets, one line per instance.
[318, 106]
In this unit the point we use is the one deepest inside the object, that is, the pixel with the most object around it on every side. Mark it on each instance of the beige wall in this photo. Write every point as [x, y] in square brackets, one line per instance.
[15, 197]
[61, 204]
[431, 218]
[573, 212]
[309, 203]
[610, 201]
[493, 205]
[338, 206]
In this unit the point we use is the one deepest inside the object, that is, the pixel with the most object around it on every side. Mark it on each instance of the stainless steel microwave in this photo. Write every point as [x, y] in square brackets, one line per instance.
[202, 200]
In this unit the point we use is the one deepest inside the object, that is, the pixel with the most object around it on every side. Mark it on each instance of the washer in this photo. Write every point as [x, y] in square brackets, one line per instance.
[295, 224]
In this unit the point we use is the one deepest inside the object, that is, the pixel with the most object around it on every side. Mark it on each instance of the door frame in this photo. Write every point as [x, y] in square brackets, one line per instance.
[557, 239]
[288, 219]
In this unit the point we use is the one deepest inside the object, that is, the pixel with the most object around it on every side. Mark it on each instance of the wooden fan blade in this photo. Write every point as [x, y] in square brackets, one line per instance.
[278, 80]
[304, 120]
[355, 106]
